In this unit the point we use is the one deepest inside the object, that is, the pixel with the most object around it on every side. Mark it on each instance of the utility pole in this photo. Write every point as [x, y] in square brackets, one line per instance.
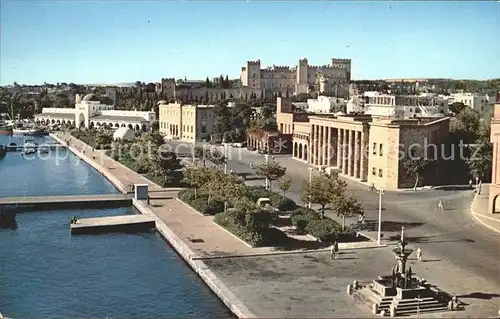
[380, 193]
[267, 180]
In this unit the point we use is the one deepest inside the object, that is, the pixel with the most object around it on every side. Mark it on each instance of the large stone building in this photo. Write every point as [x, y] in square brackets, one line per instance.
[494, 203]
[96, 111]
[362, 147]
[300, 79]
[186, 122]
[198, 92]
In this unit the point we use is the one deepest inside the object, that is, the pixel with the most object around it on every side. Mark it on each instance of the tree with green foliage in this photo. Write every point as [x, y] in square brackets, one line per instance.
[465, 125]
[271, 170]
[481, 156]
[215, 156]
[346, 206]
[415, 168]
[284, 184]
[199, 153]
[323, 189]
[222, 118]
[197, 176]
[457, 107]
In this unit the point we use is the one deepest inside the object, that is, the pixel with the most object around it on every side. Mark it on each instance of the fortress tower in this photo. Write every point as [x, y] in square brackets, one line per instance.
[250, 74]
[302, 72]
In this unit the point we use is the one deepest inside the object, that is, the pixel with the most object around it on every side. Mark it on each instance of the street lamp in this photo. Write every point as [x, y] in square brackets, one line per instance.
[380, 193]
[225, 158]
[310, 179]
[267, 180]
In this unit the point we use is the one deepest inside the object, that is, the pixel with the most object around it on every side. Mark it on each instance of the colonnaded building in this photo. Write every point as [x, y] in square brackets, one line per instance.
[369, 149]
[188, 122]
[94, 111]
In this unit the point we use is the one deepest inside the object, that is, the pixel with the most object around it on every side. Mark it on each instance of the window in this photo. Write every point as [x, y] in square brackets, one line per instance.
[374, 171]
[380, 172]
[380, 150]
[374, 148]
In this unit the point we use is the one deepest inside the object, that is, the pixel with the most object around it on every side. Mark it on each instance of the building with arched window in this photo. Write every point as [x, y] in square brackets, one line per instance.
[95, 111]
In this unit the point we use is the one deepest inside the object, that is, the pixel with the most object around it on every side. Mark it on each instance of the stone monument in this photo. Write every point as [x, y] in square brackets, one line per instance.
[401, 292]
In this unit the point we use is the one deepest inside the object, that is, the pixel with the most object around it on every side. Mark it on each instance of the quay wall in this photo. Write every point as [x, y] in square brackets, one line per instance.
[209, 277]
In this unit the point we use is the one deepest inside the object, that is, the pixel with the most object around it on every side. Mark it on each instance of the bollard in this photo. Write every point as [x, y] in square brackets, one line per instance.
[349, 289]
[374, 309]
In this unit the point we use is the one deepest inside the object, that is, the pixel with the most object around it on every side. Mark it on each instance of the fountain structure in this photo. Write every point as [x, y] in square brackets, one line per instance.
[401, 292]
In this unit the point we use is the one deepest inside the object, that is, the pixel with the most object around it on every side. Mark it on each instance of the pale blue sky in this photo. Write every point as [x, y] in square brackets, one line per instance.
[110, 42]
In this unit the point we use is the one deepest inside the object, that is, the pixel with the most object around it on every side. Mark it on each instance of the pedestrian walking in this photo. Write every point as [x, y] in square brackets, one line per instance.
[440, 205]
[419, 254]
[479, 187]
[332, 251]
[470, 183]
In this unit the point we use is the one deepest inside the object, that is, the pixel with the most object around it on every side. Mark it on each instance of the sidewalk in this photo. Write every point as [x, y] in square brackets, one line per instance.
[479, 210]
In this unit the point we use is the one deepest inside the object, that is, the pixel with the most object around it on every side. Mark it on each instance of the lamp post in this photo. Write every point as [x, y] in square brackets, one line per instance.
[267, 180]
[380, 193]
[310, 180]
[225, 171]
[225, 159]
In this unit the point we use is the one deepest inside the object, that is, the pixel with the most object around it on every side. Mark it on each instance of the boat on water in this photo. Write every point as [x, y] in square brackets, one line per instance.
[43, 150]
[5, 128]
[32, 131]
[28, 151]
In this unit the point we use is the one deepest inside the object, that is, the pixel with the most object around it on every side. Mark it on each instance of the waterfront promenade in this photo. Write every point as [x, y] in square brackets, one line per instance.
[272, 284]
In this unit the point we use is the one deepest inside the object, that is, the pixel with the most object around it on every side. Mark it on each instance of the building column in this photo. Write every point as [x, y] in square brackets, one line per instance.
[316, 146]
[324, 145]
[345, 152]
[364, 155]
[351, 153]
[329, 146]
[339, 148]
[310, 148]
[357, 158]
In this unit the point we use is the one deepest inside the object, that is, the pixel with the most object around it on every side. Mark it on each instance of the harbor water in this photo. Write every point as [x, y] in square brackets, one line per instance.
[47, 272]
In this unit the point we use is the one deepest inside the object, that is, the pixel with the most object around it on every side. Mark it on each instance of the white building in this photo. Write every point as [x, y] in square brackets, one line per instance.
[481, 103]
[325, 104]
[403, 106]
[94, 111]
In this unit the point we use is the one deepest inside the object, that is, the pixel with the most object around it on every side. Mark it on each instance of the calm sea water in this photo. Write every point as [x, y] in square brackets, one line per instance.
[46, 272]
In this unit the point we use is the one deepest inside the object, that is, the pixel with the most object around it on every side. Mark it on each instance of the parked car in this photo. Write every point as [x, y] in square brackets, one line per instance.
[262, 151]
[250, 148]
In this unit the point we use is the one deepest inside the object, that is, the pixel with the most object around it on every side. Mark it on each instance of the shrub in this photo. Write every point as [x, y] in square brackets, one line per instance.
[231, 220]
[186, 195]
[285, 204]
[256, 192]
[322, 230]
[202, 205]
[303, 219]
[300, 225]
[274, 237]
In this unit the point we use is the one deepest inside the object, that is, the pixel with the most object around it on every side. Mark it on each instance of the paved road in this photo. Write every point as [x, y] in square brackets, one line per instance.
[451, 236]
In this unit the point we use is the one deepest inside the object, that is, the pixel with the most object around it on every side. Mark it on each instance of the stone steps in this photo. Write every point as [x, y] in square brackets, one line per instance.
[413, 306]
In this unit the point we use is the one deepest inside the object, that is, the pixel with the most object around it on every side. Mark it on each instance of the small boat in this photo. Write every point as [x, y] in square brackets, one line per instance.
[29, 131]
[43, 150]
[30, 143]
[28, 151]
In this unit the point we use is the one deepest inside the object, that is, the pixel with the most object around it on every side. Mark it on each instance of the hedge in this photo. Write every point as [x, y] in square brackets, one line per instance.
[277, 200]
[252, 227]
[201, 202]
[325, 229]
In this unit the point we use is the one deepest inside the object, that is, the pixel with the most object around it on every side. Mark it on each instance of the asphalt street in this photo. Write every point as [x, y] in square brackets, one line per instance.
[450, 235]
